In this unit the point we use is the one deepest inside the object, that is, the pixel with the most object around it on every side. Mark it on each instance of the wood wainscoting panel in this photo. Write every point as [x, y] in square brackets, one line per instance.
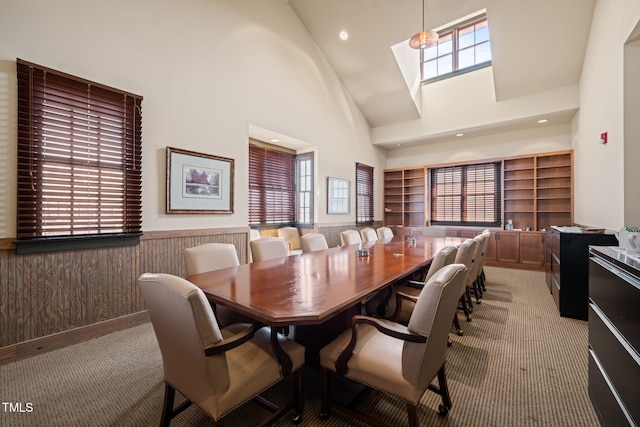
[46, 294]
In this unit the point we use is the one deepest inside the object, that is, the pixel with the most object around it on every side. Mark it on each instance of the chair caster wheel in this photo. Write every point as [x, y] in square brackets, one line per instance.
[460, 333]
[297, 419]
[324, 415]
[449, 343]
[443, 410]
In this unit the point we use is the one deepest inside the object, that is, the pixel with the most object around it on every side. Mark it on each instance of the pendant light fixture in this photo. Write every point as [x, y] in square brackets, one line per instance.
[425, 38]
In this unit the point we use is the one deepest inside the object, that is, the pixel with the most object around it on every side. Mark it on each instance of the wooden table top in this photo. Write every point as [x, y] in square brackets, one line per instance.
[310, 288]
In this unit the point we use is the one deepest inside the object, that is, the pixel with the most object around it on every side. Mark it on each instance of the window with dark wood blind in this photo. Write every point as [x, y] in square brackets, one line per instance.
[272, 192]
[79, 162]
[466, 195]
[364, 194]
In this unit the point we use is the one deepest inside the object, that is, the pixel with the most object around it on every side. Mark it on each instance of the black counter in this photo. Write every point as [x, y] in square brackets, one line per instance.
[614, 335]
[568, 267]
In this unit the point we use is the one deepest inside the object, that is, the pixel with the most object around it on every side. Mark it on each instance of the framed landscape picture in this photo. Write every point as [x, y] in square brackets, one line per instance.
[198, 183]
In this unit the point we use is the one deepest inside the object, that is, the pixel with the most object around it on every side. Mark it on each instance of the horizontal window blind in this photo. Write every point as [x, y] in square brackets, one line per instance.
[271, 186]
[79, 156]
[466, 195]
[364, 194]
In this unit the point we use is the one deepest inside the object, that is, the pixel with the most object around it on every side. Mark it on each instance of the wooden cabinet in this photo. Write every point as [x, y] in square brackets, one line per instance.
[467, 233]
[507, 246]
[538, 190]
[516, 249]
[405, 197]
[532, 248]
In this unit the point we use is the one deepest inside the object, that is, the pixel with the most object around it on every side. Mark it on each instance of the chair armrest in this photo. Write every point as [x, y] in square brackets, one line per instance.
[393, 330]
[234, 341]
[399, 297]
[415, 284]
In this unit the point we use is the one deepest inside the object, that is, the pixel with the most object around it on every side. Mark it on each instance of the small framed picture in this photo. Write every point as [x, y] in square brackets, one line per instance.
[198, 183]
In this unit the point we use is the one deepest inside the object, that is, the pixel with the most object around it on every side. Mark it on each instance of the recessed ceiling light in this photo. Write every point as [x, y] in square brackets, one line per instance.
[344, 35]
[543, 121]
[460, 134]
[274, 140]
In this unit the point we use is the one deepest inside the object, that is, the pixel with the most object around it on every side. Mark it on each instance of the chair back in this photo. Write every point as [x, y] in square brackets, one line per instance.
[350, 237]
[185, 324]
[465, 255]
[487, 240]
[435, 231]
[445, 256]
[481, 240]
[209, 257]
[431, 318]
[268, 248]
[255, 234]
[313, 242]
[368, 234]
[291, 235]
[384, 233]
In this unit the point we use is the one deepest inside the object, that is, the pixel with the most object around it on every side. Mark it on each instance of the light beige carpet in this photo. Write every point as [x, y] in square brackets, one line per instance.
[518, 364]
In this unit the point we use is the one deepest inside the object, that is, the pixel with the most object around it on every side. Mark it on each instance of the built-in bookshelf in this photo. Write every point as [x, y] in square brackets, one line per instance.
[538, 190]
[405, 197]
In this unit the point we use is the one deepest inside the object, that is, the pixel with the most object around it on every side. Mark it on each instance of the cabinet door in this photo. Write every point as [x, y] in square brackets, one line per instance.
[532, 248]
[491, 252]
[508, 246]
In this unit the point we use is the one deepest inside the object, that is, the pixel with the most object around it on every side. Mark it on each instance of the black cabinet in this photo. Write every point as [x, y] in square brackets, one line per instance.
[568, 267]
[614, 336]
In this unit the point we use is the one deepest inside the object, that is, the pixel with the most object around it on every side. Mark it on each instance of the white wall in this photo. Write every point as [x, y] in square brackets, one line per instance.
[468, 101]
[538, 140]
[208, 69]
[599, 174]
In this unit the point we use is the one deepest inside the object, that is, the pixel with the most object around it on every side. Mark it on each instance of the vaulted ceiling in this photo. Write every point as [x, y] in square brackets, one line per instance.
[536, 45]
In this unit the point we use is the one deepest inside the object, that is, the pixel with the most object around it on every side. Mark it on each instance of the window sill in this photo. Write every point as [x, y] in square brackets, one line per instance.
[59, 244]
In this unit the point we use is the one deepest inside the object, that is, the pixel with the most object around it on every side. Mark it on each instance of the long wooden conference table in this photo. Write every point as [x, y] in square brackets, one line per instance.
[318, 291]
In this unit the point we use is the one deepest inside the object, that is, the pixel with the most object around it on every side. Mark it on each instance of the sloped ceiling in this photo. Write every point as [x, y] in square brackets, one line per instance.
[536, 46]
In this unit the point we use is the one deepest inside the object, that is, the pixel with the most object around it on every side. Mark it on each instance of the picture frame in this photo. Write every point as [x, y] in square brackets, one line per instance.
[338, 196]
[198, 183]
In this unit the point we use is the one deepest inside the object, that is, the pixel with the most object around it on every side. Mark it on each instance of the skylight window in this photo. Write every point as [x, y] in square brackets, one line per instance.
[460, 49]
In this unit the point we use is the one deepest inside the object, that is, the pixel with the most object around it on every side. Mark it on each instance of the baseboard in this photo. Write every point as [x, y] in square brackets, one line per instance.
[24, 350]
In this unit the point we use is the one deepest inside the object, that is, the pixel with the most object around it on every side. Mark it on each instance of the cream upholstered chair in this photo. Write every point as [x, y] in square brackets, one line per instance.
[435, 231]
[350, 237]
[313, 242]
[384, 233]
[466, 252]
[481, 276]
[209, 257]
[368, 234]
[268, 248]
[401, 360]
[402, 312]
[254, 234]
[476, 288]
[217, 369]
[291, 235]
